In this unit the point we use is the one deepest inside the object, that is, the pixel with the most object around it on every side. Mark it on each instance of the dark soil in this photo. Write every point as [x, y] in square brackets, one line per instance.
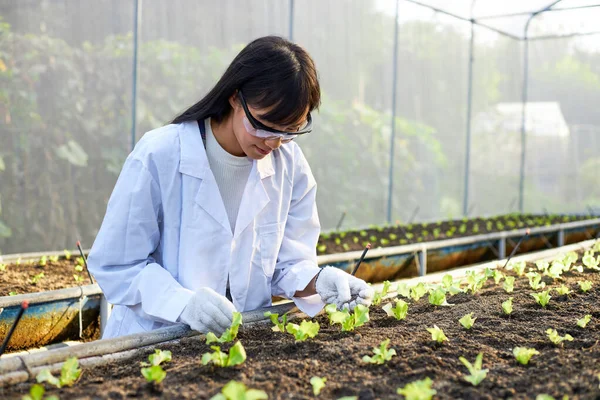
[283, 368]
[16, 278]
[397, 235]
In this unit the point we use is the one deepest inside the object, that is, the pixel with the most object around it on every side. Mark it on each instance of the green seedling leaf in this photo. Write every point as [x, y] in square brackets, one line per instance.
[53, 259]
[67, 254]
[236, 356]
[403, 290]
[43, 261]
[349, 322]
[582, 323]
[467, 321]
[46, 376]
[507, 306]
[542, 298]
[509, 284]
[230, 333]
[518, 267]
[78, 268]
[381, 354]
[159, 357]
[542, 265]
[238, 391]
[535, 281]
[474, 281]
[380, 295]
[524, 354]
[418, 291]
[2, 267]
[437, 334]
[36, 278]
[437, 297]
[69, 374]
[280, 325]
[585, 285]
[36, 392]
[497, 275]
[306, 329]
[317, 384]
[555, 270]
[563, 290]
[154, 373]
[399, 311]
[12, 293]
[476, 373]
[418, 390]
[556, 338]
[590, 261]
[450, 286]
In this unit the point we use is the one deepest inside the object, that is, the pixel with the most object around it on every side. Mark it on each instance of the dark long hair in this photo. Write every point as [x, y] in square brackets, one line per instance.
[273, 73]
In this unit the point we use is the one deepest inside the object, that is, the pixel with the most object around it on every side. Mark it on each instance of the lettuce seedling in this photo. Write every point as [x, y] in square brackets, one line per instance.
[2, 267]
[236, 356]
[450, 286]
[542, 298]
[77, 278]
[542, 265]
[507, 306]
[53, 259]
[378, 296]
[555, 270]
[509, 284]
[280, 325]
[403, 290]
[238, 391]
[535, 281]
[158, 357]
[154, 373]
[381, 354]
[475, 282]
[467, 321]
[582, 323]
[524, 354]
[418, 390]
[569, 259]
[12, 293]
[317, 384]
[476, 373]
[230, 333]
[306, 329]
[518, 267]
[399, 311]
[497, 275]
[556, 338]
[67, 254]
[437, 297]
[69, 373]
[359, 317]
[36, 278]
[437, 334]
[585, 285]
[418, 291]
[43, 261]
[36, 392]
[563, 290]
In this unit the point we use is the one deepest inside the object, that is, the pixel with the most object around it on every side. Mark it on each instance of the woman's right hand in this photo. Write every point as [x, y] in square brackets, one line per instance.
[208, 311]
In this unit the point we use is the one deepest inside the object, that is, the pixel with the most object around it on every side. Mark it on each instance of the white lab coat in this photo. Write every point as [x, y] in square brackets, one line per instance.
[166, 232]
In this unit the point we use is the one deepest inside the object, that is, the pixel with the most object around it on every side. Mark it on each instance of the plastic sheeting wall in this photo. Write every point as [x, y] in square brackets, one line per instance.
[65, 108]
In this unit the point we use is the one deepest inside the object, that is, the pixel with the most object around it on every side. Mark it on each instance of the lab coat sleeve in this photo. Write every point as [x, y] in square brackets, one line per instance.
[297, 260]
[121, 257]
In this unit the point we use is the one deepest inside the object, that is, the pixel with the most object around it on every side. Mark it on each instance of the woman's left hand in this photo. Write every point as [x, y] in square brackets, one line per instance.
[342, 289]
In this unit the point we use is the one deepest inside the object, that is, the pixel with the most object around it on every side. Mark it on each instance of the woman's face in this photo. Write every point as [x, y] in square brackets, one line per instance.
[255, 147]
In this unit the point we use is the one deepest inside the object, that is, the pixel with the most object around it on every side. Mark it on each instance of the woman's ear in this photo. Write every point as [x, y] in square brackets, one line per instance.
[233, 101]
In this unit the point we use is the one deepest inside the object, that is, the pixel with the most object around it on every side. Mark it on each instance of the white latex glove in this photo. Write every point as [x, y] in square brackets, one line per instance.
[342, 289]
[208, 311]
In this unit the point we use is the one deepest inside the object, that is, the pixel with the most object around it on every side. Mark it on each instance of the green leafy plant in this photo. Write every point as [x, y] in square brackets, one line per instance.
[542, 298]
[234, 390]
[158, 357]
[403, 290]
[279, 325]
[418, 291]
[236, 356]
[43, 261]
[378, 296]
[507, 306]
[450, 286]
[467, 321]
[542, 265]
[518, 267]
[535, 281]
[563, 290]
[53, 259]
[2, 267]
[524, 354]
[78, 278]
[36, 392]
[230, 333]
[306, 329]
[476, 374]
[437, 334]
[582, 323]
[67, 254]
[437, 297]
[590, 261]
[497, 275]
[381, 354]
[556, 269]
[475, 282]
[418, 390]
[317, 384]
[399, 311]
[152, 370]
[69, 373]
[585, 285]
[36, 278]
[509, 284]
[556, 338]
[12, 293]
[348, 321]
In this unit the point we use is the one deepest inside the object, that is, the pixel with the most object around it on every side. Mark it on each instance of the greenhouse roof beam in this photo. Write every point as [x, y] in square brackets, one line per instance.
[520, 14]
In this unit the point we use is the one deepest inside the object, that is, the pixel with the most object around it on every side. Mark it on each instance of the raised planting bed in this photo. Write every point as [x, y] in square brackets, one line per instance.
[283, 367]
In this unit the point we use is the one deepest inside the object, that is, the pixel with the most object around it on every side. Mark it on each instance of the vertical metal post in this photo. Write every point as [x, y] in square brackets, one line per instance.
[502, 249]
[136, 26]
[105, 309]
[422, 258]
[393, 134]
[561, 237]
[291, 22]
[469, 110]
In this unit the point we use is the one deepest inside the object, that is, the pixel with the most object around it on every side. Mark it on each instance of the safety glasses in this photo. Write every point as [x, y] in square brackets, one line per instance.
[257, 129]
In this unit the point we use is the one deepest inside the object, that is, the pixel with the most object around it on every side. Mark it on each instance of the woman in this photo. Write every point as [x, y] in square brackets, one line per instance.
[216, 212]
